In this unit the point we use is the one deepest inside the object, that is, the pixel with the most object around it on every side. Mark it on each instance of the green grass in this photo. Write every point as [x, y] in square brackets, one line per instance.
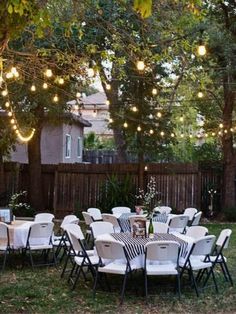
[43, 291]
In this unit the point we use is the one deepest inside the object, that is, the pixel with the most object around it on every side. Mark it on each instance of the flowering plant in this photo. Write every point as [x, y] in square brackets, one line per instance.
[148, 197]
[20, 208]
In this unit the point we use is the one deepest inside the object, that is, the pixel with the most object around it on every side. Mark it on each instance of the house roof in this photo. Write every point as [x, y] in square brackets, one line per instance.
[98, 99]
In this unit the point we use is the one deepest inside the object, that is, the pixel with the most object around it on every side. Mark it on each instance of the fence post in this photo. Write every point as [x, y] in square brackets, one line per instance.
[199, 186]
[141, 175]
[55, 190]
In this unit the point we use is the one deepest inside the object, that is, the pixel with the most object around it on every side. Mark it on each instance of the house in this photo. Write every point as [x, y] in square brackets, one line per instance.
[61, 143]
[96, 110]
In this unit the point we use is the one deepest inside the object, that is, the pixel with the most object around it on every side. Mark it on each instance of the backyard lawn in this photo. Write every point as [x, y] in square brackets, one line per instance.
[43, 291]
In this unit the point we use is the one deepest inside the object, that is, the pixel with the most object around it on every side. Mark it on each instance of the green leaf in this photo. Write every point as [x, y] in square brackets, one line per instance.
[144, 7]
[10, 9]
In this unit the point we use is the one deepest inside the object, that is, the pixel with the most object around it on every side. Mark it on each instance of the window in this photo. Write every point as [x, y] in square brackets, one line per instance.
[79, 147]
[68, 146]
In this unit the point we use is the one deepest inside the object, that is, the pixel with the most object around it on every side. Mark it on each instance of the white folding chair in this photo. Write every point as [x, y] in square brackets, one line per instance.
[190, 212]
[121, 210]
[101, 227]
[218, 258]
[4, 242]
[114, 252]
[162, 258]
[79, 256]
[196, 219]
[178, 223]
[163, 209]
[196, 232]
[198, 260]
[95, 213]
[88, 219]
[112, 219]
[40, 239]
[159, 227]
[44, 217]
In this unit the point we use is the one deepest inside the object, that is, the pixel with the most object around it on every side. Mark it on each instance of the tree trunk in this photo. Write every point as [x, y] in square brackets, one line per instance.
[2, 177]
[35, 176]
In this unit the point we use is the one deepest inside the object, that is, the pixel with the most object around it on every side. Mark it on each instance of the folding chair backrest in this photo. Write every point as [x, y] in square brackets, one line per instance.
[110, 249]
[121, 210]
[179, 221]
[162, 251]
[44, 217]
[112, 219]
[203, 246]
[163, 209]
[95, 213]
[101, 227]
[196, 232]
[75, 229]
[190, 212]
[40, 233]
[223, 239]
[196, 219]
[87, 218]
[69, 219]
[159, 227]
[75, 241]
[4, 234]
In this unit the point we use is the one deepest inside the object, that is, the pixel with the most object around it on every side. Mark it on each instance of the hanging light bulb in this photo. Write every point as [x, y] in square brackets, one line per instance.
[107, 102]
[14, 70]
[134, 109]
[7, 104]
[201, 49]
[110, 120]
[221, 125]
[9, 75]
[78, 95]
[140, 65]
[213, 134]
[4, 92]
[16, 74]
[190, 136]
[33, 88]
[150, 116]
[151, 131]
[125, 125]
[108, 86]
[200, 94]
[45, 85]
[12, 121]
[181, 119]
[61, 81]
[55, 98]
[9, 114]
[231, 129]
[206, 135]
[159, 114]
[48, 73]
[139, 128]
[172, 135]
[182, 135]
[14, 127]
[225, 131]
[154, 91]
[162, 133]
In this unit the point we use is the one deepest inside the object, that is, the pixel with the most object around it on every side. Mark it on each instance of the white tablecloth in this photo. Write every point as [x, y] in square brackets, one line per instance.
[18, 233]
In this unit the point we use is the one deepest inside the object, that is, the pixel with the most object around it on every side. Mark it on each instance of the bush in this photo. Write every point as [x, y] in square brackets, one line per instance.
[117, 192]
[19, 207]
[230, 214]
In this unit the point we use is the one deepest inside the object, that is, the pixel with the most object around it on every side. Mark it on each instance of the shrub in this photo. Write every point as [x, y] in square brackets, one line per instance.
[19, 207]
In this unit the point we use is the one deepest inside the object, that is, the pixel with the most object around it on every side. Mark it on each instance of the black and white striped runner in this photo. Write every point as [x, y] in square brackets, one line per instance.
[135, 246]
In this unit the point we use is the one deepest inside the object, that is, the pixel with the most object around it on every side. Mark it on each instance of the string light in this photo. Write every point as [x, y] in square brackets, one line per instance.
[78, 95]
[231, 129]
[33, 88]
[14, 127]
[213, 134]
[48, 73]
[154, 91]
[61, 81]
[110, 120]
[45, 85]
[9, 114]
[221, 125]
[9, 75]
[140, 65]
[107, 102]
[12, 121]
[159, 115]
[55, 98]
[108, 86]
[225, 131]
[162, 133]
[151, 131]
[4, 93]
[125, 125]
[182, 135]
[76, 107]
[134, 109]
[14, 70]
[90, 71]
[172, 135]
[190, 136]
[200, 94]
[201, 50]
[181, 119]
[7, 104]
[139, 128]
[25, 138]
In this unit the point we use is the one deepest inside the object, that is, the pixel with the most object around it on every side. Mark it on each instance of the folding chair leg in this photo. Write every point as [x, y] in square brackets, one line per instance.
[95, 283]
[123, 289]
[146, 286]
[194, 282]
[77, 278]
[227, 271]
[178, 285]
[65, 265]
[4, 261]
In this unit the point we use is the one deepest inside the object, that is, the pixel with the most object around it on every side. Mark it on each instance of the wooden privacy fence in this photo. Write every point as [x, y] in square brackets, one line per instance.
[72, 187]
